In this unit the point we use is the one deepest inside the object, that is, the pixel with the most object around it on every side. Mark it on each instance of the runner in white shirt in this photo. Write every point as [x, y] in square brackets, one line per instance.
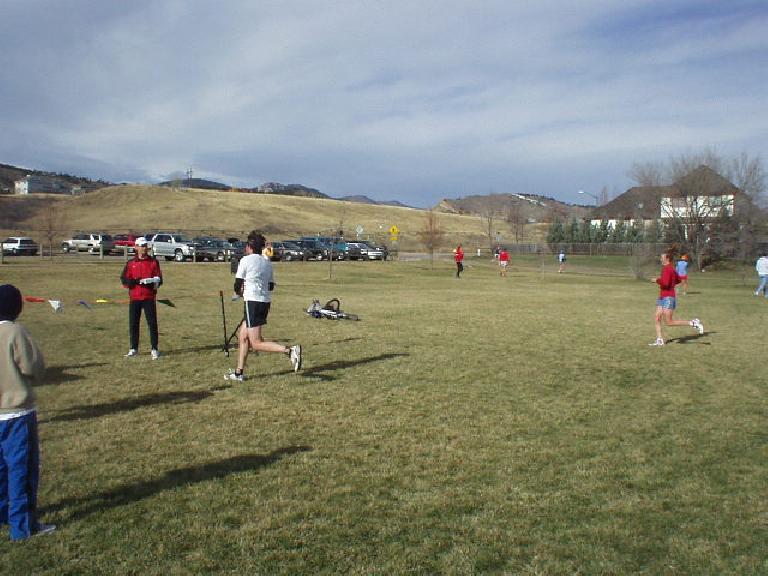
[254, 281]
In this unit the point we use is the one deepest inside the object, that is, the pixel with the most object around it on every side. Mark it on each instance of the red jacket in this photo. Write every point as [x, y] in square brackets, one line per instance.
[138, 269]
[667, 281]
[459, 255]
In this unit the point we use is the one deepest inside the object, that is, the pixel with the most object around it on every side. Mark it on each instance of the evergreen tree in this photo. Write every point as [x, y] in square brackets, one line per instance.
[556, 233]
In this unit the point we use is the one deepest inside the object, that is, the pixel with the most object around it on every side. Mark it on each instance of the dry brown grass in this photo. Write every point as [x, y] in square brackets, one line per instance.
[145, 208]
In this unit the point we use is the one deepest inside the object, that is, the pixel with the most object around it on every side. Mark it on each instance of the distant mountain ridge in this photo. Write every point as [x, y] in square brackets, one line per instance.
[520, 207]
[200, 183]
[362, 199]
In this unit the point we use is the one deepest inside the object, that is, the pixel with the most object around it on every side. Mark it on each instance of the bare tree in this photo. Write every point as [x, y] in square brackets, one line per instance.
[51, 221]
[684, 164]
[431, 235]
[650, 174]
[748, 174]
[604, 196]
[488, 215]
[517, 218]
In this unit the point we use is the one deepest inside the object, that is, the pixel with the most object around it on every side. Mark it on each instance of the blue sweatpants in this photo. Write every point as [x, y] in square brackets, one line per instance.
[19, 474]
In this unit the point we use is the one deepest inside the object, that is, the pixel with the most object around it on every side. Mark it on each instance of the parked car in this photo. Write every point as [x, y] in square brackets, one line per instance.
[379, 248]
[238, 251]
[125, 242]
[211, 249]
[368, 252]
[172, 246]
[289, 251]
[319, 249]
[18, 245]
[350, 250]
[89, 242]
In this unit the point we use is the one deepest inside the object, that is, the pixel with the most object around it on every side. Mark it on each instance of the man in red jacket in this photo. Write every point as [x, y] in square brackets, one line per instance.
[142, 277]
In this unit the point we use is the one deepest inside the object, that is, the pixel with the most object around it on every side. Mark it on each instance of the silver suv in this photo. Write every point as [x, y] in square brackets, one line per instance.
[367, 251]
[92, 243]
[172, 246]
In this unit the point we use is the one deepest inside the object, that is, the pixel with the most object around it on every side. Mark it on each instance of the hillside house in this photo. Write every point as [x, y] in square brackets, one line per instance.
[34, 184]
[703, 195]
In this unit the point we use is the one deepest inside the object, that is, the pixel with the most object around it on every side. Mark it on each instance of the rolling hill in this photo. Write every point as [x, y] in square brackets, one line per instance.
[226, 213]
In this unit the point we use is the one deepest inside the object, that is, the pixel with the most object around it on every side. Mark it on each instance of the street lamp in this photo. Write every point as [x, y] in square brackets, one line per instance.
[589, 194]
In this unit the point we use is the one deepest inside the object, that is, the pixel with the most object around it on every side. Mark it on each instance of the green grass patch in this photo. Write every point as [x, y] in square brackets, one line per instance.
[474, 426]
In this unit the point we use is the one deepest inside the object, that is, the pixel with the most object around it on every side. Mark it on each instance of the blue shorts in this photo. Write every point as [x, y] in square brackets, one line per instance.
[668, 302]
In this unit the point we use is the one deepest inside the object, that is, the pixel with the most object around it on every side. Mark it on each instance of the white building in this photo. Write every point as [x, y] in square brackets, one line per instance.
[34, 184]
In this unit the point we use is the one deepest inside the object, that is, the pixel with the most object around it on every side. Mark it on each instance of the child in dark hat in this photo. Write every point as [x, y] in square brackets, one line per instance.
[21, 362]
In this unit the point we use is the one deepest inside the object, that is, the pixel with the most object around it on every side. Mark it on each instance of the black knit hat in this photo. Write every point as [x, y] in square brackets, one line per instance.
[10, 302]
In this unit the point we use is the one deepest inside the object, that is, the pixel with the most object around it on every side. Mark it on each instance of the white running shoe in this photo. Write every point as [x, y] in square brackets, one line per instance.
[658, 342]
[696, 323]
[132, 352]
[155, 354]
[233, 376]
[295, 357]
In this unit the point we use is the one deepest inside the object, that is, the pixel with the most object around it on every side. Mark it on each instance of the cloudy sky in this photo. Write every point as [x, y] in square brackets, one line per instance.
[414, 100]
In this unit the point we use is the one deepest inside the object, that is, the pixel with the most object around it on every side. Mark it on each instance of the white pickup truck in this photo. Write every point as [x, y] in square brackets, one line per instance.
[92, 243]
[172, 246]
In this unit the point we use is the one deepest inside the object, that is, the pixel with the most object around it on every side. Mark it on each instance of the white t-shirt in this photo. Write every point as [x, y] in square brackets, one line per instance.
[256, 272]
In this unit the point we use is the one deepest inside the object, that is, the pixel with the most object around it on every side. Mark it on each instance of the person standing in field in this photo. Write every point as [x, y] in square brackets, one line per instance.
[142, 277]
[503, 262]
[254, 281]
[762, 271]
[561, 259]
[21, 363]
[458, 257]
[666, 303]
[681, 267]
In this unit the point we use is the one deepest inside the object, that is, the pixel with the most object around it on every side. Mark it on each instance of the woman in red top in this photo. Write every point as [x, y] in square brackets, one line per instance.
[665, 305]
[458, 257]
[503, 262]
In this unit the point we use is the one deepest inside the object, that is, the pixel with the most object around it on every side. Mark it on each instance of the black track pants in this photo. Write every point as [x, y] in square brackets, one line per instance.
[134, 315]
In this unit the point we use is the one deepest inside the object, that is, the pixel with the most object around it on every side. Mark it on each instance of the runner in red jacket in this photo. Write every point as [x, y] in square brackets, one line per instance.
[666, 303]
[142, 277]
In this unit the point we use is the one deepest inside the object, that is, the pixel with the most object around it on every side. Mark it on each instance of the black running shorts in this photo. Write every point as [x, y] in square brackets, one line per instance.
[256, 313]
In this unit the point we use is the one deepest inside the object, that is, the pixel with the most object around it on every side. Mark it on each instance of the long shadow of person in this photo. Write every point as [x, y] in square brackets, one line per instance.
[58, 374]
[87, 411]
[318, 371]
[172, 479]
[692, 338]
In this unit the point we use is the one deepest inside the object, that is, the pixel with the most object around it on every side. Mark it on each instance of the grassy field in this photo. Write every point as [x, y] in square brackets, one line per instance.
[473, 426]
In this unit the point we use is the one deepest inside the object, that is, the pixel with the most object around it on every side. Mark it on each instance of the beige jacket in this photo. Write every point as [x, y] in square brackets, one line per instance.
[21, 362]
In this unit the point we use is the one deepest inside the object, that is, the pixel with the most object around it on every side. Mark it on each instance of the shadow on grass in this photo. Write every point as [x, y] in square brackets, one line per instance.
[129, 404]
[55, 375]
[319, 371]
[342, 340]
[691, 339]
[219, 346]
[172, 479]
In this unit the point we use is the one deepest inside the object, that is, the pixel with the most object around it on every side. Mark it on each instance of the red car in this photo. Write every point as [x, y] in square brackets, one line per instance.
[124, 241]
